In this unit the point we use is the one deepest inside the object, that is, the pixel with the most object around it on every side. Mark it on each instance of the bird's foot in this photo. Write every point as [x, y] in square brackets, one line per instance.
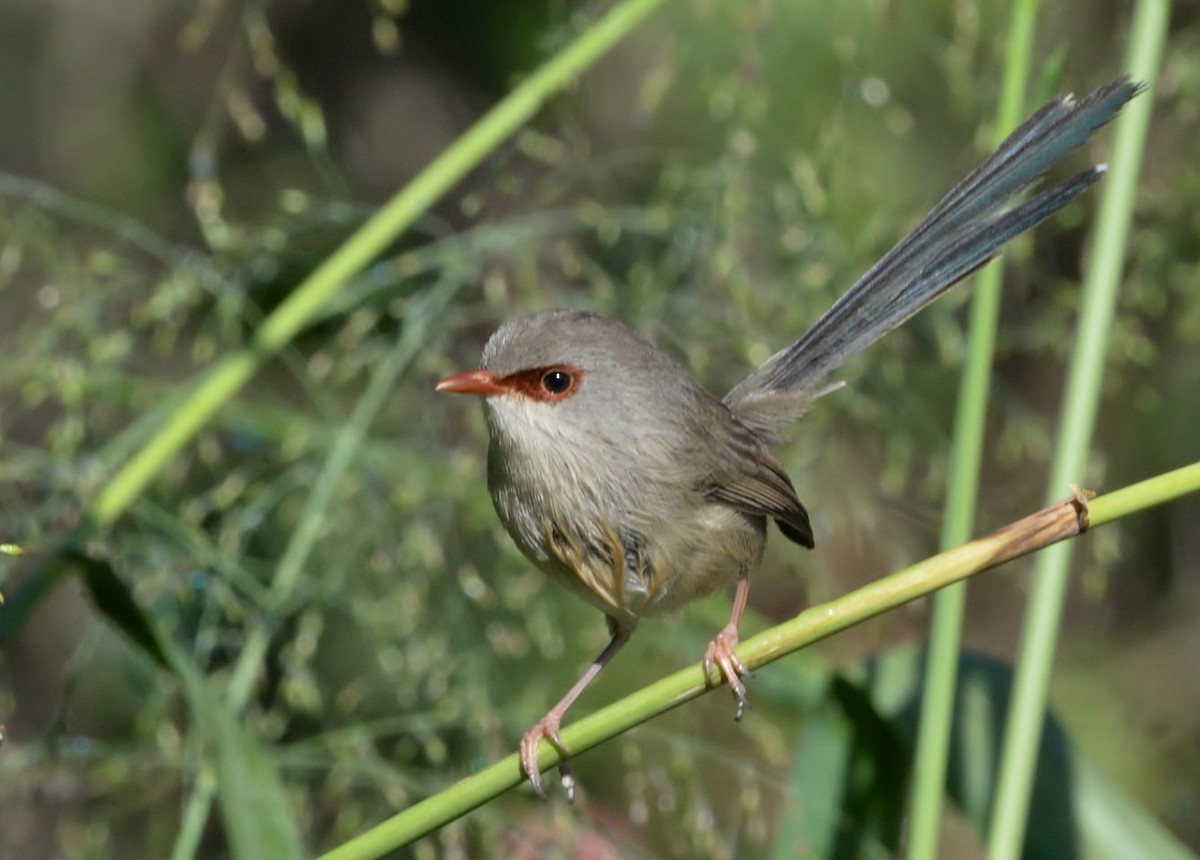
[720, 656]
[546, 728]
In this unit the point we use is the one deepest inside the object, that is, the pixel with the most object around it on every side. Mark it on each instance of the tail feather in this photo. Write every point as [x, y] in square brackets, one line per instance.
[963, 232]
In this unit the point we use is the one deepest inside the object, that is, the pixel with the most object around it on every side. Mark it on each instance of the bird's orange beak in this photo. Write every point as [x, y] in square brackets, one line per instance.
[473, 382]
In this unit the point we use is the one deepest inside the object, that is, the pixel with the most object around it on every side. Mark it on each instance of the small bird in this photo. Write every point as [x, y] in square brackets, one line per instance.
[626, 482]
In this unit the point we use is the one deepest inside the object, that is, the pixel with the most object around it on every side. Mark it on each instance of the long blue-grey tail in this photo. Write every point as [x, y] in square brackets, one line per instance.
[962, 233]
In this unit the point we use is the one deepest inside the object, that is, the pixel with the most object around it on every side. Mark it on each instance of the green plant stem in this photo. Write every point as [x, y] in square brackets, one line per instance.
[937, 698]
[812, 625]
[195, 813]
[216, 388]
[1032, 681]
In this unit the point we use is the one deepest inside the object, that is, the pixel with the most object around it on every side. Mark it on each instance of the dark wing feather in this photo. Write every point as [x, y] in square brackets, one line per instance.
[751, 480]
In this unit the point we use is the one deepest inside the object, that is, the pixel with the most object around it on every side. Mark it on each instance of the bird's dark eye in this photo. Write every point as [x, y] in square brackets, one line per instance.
[556, 381]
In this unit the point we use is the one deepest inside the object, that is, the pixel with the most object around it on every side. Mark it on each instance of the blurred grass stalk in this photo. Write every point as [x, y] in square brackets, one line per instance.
[958, 520]
[1006, 833]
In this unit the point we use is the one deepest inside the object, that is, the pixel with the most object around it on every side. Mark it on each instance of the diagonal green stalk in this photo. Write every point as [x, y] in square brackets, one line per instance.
[216, 388]
[1031, 684]
[958, 519]
[815, 623]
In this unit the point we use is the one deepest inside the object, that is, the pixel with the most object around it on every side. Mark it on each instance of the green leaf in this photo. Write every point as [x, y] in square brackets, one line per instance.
[1113, 827]
[1079, 813]
[815, 786]
[257, 818]
[115, 602]
[847, 782]
[254, 807]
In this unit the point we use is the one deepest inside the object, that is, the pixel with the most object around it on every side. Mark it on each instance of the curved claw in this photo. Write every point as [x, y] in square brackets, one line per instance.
[546, 728]
[720, 655]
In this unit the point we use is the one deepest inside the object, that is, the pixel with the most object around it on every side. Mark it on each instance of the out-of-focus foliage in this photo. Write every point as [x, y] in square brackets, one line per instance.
[170, 172]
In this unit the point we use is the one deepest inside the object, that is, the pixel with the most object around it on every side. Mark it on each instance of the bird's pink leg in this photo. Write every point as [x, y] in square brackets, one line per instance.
[720, 651]
[548, 726]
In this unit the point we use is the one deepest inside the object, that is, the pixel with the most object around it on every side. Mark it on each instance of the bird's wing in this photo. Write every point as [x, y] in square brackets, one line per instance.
[750, 479]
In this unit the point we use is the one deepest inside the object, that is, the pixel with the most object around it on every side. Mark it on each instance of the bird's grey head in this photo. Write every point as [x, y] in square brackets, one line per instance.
[586, 369]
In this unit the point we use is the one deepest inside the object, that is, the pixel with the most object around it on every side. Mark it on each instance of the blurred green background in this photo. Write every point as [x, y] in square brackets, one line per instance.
[169, 171]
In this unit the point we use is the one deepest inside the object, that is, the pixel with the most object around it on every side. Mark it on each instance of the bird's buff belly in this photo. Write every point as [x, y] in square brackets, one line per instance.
[627, 577]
